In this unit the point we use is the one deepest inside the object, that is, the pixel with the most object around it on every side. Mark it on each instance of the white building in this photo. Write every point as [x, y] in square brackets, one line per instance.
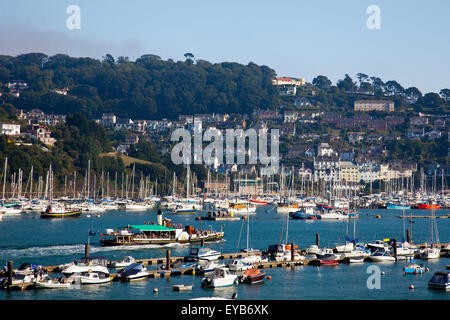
[324, 150]
[10, 129]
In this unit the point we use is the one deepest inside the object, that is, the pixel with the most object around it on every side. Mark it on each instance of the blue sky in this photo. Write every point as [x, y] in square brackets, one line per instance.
[297, 38]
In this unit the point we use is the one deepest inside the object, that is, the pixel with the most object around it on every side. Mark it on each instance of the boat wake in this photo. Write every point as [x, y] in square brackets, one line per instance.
[66, 250]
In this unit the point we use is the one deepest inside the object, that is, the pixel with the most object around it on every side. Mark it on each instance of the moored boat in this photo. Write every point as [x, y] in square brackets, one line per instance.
[440, 280]
[252, 276]
[59, 212]
[220, 278]
[134, 272]
[414, 268]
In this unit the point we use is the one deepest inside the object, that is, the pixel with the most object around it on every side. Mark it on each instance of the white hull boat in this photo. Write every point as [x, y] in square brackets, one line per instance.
[221, 278]
[430, 253]
[94, 278]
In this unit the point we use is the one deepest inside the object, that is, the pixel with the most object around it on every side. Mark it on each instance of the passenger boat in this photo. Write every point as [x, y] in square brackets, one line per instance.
[252, 276]
[59, 212]
[164, 232]
[220, 278]
[414, 268]
[134, 272]
[94, 278]
[202, 253]
[440, 280]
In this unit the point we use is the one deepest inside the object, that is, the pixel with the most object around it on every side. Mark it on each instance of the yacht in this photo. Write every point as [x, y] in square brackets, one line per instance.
[381, 256]
[203, 253]
[87, 264]
[134, 272]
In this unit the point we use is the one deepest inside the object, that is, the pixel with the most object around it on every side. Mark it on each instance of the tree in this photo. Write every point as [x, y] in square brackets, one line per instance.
[189, 58]
[108, 59]
[431, 100]
[362, 78]
[394, 88]
[321, 82]
[346, 84]
[413, 93]
[445, 94]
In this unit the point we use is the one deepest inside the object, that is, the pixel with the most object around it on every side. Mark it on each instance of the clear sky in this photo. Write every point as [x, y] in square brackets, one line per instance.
[297, 38]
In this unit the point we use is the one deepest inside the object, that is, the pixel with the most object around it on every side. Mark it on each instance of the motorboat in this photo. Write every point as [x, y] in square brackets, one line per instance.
[134, 272]
[430, 253]
[398, 206]
[94, 278]
[312, 249]
[87, 264]
[49, 283]
[206, 266]
[305, 214]
[287, 256]
[331, 215]
[125, 262]
[414, 268]
[252, 276]
[177, 267]
[381, 256]
[377, 245]
[220, 278]
[239, 265]
[440, 280]
[356, 259]
[328, 259]
[202, 253]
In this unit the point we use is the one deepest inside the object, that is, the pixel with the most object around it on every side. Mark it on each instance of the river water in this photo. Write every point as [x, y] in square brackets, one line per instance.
[28, 238]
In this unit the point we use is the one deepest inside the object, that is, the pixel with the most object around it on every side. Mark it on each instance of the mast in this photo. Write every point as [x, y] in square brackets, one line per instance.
[4, 178]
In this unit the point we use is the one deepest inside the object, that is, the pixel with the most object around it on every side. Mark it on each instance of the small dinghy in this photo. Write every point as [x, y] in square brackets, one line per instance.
[49, 283]
[182, 287]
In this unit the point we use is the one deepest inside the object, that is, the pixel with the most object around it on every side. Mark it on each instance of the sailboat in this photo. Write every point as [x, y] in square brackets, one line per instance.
[432, 252]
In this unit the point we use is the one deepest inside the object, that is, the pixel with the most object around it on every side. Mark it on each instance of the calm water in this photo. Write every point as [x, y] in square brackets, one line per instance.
[28, 238]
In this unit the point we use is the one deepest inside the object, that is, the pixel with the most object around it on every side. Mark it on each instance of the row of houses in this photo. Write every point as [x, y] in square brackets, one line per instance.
[38, 116]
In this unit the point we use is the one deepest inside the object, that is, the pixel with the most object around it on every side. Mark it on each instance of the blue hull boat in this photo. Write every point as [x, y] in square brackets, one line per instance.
[398, 206]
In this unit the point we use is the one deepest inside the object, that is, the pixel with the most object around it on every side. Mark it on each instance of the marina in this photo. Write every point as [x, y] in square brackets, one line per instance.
[155, 258]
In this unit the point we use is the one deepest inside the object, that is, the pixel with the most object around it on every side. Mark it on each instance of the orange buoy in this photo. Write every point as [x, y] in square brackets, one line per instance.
[269, 278]
[411, 287]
